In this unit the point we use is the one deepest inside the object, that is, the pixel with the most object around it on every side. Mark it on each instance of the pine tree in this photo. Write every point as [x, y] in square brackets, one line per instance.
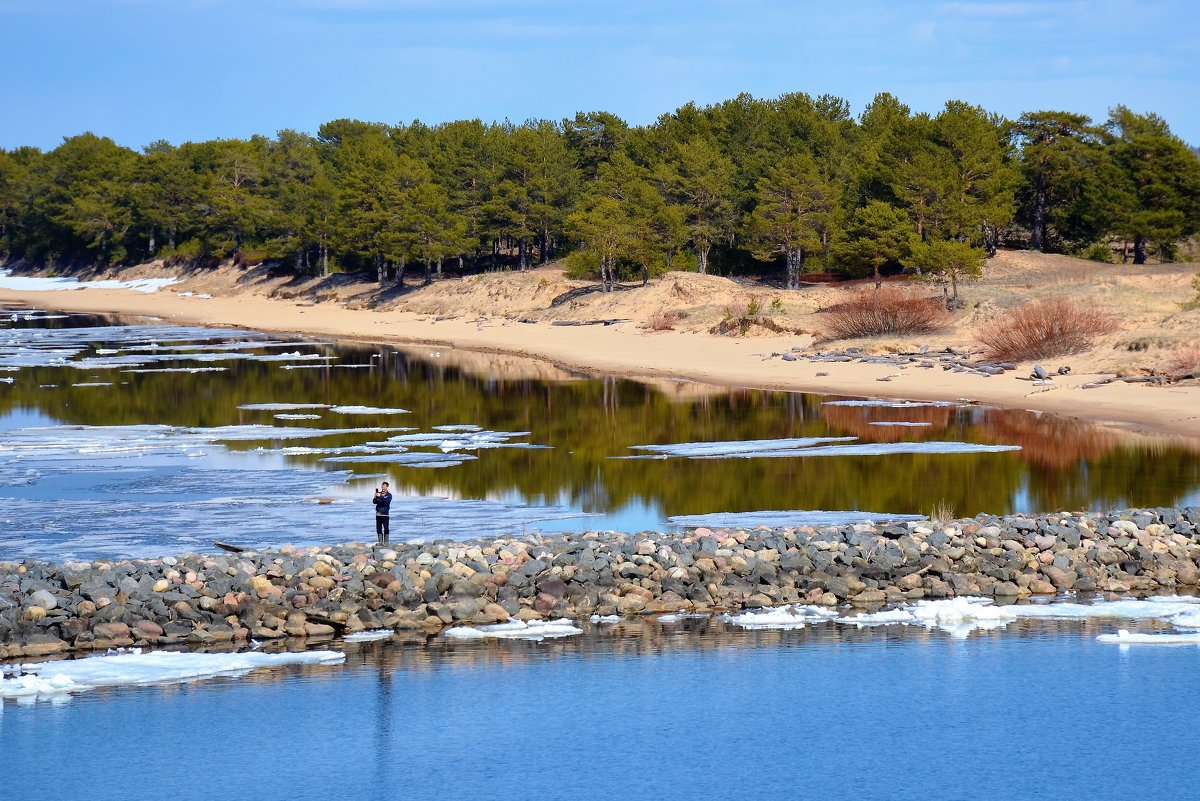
[1160, 186]
[792, 214]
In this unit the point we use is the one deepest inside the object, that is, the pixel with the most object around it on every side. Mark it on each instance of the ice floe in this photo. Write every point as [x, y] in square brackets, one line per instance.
[135, 668]
[808, 446]
[963, 615]
[366, 410]
[1126, 637]
[537, 630]
[694, 450]
[890, 404]
[370, 635]
[792, 616]
[898, 423]
[281, 407]
[777, 519]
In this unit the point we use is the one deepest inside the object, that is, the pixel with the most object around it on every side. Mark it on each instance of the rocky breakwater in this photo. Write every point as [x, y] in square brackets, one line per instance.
[318, 593]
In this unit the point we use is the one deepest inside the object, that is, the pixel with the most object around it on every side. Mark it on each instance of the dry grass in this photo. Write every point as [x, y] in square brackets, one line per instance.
[1185, 359]
[1043, 329]
[661, 321]
[886, 311]
[942, 514]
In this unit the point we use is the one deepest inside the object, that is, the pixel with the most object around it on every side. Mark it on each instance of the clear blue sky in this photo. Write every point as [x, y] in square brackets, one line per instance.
[140, 70]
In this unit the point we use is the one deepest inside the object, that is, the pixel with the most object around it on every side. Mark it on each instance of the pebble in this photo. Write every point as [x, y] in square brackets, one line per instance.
[320, 592]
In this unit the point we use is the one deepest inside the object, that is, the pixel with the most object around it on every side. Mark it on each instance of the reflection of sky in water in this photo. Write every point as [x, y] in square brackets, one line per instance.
[512, 454]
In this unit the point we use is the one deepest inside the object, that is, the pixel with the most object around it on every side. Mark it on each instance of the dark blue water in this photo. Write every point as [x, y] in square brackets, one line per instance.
[1037, 711]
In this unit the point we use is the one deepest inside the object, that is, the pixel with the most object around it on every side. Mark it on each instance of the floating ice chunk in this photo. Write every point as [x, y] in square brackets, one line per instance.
[898, 423]
[94, 384]
[285, 416]
[884, 617]
[517, 630]
[779, 519]
[1162, 608]
[1187, 620]
[681, 616]
[135, 668]
[736, 447]
[366, 410]
[1124, 637]
[408, 458]
[890, 404]
[369, 636]
[961, 616]
[281, 407]
[462, 427]
[872, 449]
[177, 370]
[604, 619]
[793, 616]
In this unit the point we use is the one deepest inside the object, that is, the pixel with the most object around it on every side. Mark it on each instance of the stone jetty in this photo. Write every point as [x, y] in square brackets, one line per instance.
[322, 592]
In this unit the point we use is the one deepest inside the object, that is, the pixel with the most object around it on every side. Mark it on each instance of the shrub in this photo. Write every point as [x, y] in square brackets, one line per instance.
[887, 310]
[753, 308]
[1185, 359]
[735, 310]
[661, 321]
[1100, 252]
[1043, 329]
[777, 305]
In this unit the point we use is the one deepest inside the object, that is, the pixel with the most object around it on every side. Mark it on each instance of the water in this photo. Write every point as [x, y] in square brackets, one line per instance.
[135, 438]
[123, 437]
[695, 710]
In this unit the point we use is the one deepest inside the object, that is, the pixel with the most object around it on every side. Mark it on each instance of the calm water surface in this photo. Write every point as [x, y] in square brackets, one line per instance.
[1038, 711]
[109, 446]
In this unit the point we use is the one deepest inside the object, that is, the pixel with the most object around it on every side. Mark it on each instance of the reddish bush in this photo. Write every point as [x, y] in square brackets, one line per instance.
[1043, 329]
[1185, 359]
[887, 310]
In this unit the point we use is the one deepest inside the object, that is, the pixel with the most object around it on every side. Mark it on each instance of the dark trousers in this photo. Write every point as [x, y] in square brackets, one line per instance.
[382, 532]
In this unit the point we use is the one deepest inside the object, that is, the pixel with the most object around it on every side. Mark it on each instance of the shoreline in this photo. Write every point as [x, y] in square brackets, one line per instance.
[426, 588]
[629, 352]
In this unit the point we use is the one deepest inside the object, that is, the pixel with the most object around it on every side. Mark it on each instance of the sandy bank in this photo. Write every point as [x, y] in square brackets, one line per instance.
[626, 350]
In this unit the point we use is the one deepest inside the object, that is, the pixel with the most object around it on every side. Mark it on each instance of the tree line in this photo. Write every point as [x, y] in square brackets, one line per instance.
[793, 184]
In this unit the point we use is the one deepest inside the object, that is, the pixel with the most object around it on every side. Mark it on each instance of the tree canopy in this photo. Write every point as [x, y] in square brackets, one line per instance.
[780, 186]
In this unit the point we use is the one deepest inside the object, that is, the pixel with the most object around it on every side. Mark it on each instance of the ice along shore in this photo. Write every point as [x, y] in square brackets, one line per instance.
[322, 592]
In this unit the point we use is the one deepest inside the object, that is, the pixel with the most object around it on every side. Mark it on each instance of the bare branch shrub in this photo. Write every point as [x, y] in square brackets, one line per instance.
[1185, 359]
[887, 310]
[661, 321]
[1043, 329]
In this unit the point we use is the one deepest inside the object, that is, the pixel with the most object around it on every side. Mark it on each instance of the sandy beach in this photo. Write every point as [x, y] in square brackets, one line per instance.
[624, 349]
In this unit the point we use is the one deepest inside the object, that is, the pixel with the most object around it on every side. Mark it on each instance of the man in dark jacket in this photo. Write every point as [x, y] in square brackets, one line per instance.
[383, 510]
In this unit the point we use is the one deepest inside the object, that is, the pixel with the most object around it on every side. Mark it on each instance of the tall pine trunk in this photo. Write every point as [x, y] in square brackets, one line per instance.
[1037, 237]
[702, 258]
[1139, 249]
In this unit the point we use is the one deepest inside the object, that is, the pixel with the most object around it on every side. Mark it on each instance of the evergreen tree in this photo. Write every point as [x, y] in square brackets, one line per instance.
[792, 214]
[949, 261]
[1160, 186]
[878, 234]
[1062, 166]
[700, 179]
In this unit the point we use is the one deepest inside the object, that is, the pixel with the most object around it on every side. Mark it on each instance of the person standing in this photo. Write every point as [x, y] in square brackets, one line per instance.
[383, 511]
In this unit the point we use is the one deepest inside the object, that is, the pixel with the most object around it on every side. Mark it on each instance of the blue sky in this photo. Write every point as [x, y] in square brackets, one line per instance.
[140, 70]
